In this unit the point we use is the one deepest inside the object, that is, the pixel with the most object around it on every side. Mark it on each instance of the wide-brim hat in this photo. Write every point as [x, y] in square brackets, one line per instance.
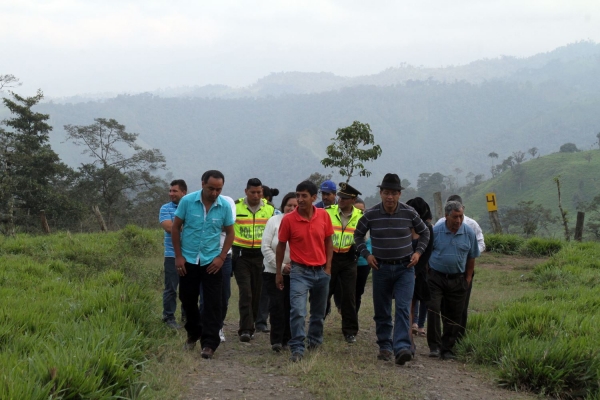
[391, 182]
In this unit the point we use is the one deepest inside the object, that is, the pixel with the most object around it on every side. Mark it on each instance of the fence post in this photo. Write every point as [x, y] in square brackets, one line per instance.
[579, 226]
[437, 204]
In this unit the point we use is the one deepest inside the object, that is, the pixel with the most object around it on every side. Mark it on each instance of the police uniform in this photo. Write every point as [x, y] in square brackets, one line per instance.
[343, 264]
[248, 260]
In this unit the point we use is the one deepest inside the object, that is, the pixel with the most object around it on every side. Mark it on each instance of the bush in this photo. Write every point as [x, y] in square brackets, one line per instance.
[505, 244]
[540, 247]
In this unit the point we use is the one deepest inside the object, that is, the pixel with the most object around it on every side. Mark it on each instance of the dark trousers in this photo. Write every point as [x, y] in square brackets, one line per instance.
[463, 321]
[226, 292]
[203, 326]
[451, 291]
[279, 308]
[248, 275]
[343, 269]
[263, 309]
[362, 274]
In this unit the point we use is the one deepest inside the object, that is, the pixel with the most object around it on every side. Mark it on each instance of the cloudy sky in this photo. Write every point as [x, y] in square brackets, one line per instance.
[68, 47]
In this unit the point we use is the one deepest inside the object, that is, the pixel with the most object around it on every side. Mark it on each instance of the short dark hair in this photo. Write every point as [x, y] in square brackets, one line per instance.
[290, 195]
[454, 197]
[307, 186]
[181, 183]
[212, 173]
[253, 182]
[359, 200]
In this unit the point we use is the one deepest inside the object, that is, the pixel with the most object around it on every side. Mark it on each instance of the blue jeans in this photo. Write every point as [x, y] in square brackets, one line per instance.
[304, 280]
[399, 281]
[226, 292]
[170, 292]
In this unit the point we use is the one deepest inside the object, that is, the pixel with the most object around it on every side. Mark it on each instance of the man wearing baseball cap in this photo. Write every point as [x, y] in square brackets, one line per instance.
[392, 261]
[327, 190]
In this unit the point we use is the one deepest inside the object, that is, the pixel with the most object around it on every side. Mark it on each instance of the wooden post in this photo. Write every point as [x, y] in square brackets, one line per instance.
[495, 222]
[45, 226]
[96, 211]
[437, 205]
[579, 226]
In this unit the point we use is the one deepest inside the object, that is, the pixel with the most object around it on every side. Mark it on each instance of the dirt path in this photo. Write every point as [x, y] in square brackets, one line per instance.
[252, 371]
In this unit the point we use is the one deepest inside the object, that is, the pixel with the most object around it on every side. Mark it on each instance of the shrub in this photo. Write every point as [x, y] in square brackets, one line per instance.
[540, 247]
[505, 244]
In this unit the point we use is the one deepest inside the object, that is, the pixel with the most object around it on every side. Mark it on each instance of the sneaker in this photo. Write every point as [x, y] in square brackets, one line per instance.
[385, 355]
[435, 353]
[245, 337]
[350, 339]
[403, 356]
[171, 323]
[277, 347]
[296, 357]
[189, 345]
[221, 335]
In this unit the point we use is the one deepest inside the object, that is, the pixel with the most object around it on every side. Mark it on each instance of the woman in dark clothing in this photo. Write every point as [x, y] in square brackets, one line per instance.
[421, 292]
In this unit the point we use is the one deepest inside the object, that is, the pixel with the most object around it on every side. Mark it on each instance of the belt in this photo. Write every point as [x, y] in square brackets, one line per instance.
[307, 266]
[395, 261]
[448, 276]
[248, 252]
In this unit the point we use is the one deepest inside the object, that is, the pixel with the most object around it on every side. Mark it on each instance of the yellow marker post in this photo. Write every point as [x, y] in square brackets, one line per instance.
[492, 206]
[491, 202]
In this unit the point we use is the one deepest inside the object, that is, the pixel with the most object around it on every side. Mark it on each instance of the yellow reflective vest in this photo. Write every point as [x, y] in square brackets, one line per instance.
[249, 227]
[343, 238]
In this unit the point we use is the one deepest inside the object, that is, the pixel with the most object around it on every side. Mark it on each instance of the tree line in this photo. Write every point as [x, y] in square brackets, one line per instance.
[117, 177]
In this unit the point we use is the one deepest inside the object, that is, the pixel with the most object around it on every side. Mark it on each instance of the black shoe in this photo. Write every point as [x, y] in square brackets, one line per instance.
[245, 337]
[435, 353]
[448, 356]
[207, 353]
[171, 323]
[189, 345]
[403, 356]
[385, 355]
[296, 357]
[277, 347]
[350, 339]
[312, 346]
[263, 329]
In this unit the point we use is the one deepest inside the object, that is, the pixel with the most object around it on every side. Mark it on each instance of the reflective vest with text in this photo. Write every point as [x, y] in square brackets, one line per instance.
[249, 227]
[343, 238]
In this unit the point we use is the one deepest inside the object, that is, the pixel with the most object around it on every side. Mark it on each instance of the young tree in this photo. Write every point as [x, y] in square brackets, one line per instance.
[8, 81]
[120, 166]
[529, 217]
[533, 151]
[563, 213]
[492, 156]
[347, 151]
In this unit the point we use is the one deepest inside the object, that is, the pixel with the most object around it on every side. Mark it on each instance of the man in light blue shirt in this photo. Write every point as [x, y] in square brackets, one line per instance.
[451, 267]
[201, 216]
[178, 189]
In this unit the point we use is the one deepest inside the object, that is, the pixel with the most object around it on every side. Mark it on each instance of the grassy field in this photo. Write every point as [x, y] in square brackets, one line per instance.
[578, 178]
[81, 319]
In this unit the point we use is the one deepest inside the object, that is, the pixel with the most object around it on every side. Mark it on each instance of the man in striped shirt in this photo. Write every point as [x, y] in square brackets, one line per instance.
[392, 260]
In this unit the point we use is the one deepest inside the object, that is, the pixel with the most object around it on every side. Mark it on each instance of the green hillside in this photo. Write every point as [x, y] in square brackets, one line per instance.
[580, 180]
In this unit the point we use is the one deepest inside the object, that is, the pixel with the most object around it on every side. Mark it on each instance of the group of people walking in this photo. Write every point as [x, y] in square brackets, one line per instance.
[315, 252]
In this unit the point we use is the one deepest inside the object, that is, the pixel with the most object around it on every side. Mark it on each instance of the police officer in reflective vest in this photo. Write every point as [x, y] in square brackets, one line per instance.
[344, 217]
[252, 213]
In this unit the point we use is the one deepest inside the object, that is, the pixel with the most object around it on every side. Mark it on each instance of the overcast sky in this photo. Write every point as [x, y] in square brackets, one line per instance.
[68, 47]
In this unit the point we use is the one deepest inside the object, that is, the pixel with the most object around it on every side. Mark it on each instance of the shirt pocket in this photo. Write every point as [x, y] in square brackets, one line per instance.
[213, 225]
[462, 251]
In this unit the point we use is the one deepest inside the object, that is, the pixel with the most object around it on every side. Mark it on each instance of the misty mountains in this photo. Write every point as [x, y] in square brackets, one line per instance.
[426, 120]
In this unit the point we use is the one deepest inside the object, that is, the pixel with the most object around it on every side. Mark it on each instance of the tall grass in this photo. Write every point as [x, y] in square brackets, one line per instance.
[76, 318]
[548, 341]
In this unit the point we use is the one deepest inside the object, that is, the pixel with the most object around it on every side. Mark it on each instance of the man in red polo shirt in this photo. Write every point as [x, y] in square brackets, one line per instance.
[308, 231]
